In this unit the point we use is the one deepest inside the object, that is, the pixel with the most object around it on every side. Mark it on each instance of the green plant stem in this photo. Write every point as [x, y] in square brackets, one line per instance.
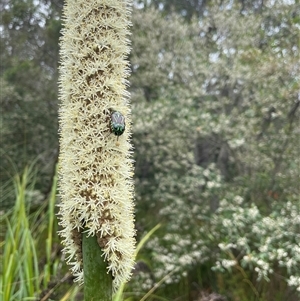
[97, 282]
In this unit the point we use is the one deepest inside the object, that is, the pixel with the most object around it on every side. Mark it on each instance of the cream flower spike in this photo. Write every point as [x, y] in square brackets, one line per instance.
[95, 164]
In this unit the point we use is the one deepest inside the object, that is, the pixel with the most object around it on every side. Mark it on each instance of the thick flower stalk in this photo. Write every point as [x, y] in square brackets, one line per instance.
[96, 168]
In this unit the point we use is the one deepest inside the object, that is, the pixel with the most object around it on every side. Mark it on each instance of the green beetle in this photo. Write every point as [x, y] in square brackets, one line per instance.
[117, 123]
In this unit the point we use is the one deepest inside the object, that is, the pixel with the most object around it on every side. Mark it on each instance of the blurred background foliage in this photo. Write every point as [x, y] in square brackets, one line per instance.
[215, 108]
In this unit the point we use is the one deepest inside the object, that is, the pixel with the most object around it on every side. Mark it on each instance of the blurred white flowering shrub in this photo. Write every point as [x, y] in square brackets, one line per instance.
[268, 245]
[216, 111]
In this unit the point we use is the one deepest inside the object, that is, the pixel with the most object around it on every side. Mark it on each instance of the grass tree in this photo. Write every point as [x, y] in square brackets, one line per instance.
[95, 164]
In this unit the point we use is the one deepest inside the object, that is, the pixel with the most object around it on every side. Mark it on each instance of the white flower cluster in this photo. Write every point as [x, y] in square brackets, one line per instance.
[269, 243]
[96, 170]
[294, 281]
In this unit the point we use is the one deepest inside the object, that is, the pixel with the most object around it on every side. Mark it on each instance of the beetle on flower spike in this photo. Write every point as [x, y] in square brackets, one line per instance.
[117, 123]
